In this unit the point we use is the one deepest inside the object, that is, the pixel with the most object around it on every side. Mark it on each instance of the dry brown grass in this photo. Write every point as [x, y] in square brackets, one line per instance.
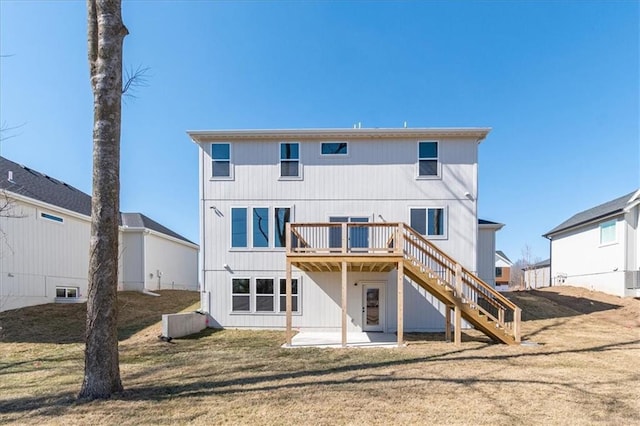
[583, 371]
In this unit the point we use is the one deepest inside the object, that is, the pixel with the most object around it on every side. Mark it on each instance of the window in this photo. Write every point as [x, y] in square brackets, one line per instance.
[282, 216]
[358, 236]
[265, 295]
[67, 292]
[427, 159]
[221, 160]
[239, 227]
[261, 227]
[333, 148]
[289, 160]
[608, 232]
[51, 217]
[429, 221]
[240, 295]
[498, 272]
[294, 295]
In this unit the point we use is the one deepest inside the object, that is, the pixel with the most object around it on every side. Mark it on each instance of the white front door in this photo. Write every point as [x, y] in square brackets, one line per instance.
[373, 312]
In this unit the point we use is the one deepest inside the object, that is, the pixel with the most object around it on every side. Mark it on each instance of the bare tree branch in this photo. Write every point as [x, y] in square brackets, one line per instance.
[134, 78]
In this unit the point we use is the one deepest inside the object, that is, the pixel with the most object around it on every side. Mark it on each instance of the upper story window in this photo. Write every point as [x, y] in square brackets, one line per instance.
[51, 217]
[608, 232]
[498, 271]
[239, 227]
[221, 160]
[430, 222]
[334, 148]
[428, 159]
[290, 160]
[261, 227]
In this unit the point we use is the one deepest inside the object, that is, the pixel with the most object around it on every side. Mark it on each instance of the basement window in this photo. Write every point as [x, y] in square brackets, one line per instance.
[67, 292]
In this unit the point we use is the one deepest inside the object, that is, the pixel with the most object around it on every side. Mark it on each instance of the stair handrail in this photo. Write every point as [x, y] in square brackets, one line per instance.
[467, 279]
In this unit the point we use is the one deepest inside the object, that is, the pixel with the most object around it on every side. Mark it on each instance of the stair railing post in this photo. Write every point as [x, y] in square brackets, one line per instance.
[458, 309]
[517, 314]
[400, 238]
[287, 237]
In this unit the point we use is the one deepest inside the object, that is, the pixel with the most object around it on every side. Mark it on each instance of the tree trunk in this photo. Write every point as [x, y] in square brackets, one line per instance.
[106, 34]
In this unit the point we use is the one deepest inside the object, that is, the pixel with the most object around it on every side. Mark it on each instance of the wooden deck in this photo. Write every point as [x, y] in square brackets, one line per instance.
[383, 247]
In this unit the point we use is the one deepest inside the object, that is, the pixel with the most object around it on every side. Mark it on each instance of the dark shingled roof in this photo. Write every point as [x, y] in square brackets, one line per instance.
[504, 256]
[33, 184]
[597, 212]
[488, 222]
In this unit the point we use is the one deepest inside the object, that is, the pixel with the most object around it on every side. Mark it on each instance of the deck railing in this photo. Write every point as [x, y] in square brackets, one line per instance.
[360, 238]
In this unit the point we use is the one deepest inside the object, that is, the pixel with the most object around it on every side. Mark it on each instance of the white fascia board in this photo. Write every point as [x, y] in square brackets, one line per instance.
[161, 235]
[200, 136]
[43, 205]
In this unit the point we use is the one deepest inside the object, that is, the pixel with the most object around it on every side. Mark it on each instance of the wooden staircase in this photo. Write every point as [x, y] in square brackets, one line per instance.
[478, 303]
[382, 247]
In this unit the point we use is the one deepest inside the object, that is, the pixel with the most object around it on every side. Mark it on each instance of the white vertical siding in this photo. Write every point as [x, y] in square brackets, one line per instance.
[377, 179]
[487, 255]
[132, 260]
[176, 262]
[579, 255]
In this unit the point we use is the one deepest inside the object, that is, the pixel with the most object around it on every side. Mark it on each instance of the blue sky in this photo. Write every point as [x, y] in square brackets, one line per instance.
[558, 82]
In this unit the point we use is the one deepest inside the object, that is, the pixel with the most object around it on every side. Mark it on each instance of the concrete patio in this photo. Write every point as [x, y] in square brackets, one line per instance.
[334, 340]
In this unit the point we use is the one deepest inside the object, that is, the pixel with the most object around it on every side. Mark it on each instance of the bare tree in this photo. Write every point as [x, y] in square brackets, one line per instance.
[106, 33]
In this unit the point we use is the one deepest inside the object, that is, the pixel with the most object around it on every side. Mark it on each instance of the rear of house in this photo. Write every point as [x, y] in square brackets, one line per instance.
[599, 248]
[254, 182]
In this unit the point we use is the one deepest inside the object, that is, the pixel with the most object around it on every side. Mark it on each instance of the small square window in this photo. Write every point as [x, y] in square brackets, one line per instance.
[608, 232]
[430, 222]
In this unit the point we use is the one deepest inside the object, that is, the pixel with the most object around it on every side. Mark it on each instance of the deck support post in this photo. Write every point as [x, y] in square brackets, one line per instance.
[289, 302]
[344, 304]
[447, 323]
[400, 284]
[517, 316]
[457, 310]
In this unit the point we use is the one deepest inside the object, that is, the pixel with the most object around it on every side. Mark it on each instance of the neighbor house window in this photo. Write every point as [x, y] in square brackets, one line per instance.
[282, 216]
[333, 148]
[67, 292]
[241, 295]
[265, 295]
[294, 295]
[51, 217]
[289, 159]
[239, 227]
[260, 227]
[429, 221]
[221, 160]
[498, 272]
[608, 232]
[428, 158]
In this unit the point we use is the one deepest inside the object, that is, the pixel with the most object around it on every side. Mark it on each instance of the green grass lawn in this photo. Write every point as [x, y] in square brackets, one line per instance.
[582, 371]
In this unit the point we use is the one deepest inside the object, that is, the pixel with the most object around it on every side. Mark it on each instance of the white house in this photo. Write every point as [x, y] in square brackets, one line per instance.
[329, 205]
[538, 275]
[487, 249]
[599, 248]
[44, 247]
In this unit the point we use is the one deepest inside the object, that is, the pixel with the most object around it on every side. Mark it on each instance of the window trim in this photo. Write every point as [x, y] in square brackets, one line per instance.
[272, 295]
[601, 226]
[241, 294]
[253, 295]
[334, 155]
[231, 168]
[445, 211]
[438, 174]
[280, 161]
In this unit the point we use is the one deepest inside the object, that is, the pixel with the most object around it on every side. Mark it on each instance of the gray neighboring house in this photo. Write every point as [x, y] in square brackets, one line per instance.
[44, 244]
[599, 248]
[538, 275]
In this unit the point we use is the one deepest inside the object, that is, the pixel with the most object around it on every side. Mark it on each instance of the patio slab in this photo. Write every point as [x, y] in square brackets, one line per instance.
[334, 340]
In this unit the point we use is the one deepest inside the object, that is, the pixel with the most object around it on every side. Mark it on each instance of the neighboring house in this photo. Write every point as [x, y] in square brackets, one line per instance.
[44, 247]
[503, 270]
[486, 251]
[599, 248]
[538, 275]
[325, 208]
